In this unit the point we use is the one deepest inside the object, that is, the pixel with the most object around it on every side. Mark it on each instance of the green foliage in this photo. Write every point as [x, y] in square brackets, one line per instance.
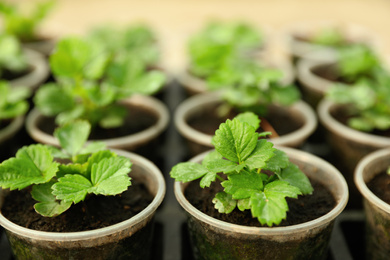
[21, 24]
[91, 81]
[243, 159]
[357, 62]
[137, 41]
[248, 86]
[13, 100]
[220, 43]
[82, 170]
[329, 36]
[368, 100]
[12, 57]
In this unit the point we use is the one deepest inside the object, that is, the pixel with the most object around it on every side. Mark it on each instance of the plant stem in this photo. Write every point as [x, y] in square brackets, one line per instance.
[268, 127]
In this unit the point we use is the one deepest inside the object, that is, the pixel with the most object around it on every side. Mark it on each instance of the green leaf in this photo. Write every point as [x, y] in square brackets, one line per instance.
[270, 207]
[96, 158]
[244, 204]
[77, 168]
[222, 165]
[277, 162]
[224, 202]
[72, 188]
[188, 171]
[295, 177]
[242, 185]
[51, 100]
[48, 206]
[285, 95]
[263, 152]
[250, 118]
[93, 147]
[235, 140]
[73, 136]
[208, 179]
[33, 165]
[110, 175]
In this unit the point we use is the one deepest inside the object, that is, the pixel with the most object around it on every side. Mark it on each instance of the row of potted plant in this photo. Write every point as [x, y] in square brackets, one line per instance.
[85, 76]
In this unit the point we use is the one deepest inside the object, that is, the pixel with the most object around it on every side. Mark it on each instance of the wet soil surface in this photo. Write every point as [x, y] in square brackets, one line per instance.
[95, 212]
[301, 210]
[380, 186]
[137, 119]
[207, 121]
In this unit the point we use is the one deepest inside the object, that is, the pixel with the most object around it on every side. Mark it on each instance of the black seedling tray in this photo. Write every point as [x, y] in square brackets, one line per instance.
[171, 240]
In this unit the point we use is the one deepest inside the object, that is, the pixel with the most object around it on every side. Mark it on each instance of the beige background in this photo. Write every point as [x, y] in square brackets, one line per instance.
[174, 20]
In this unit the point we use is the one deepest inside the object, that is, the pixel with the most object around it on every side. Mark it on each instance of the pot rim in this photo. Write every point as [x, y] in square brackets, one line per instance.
[272, 231]
[187, 107]
[360, 178]
[11, 129]
[39, 73]
[346, 132]
[311, 80]
[105, 231]
[135, 139]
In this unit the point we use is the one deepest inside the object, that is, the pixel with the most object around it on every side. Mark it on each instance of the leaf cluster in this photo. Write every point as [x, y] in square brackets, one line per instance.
[91, 81]
[243, 160]
[12, 57]
[248, 86]
[219, 43]
[329, 36]
[82, 170]
[368, 101]
[24, 25]
[13, 100]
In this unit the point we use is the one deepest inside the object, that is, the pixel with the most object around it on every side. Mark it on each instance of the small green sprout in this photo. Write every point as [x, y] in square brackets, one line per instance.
[241, 158]
[24, 25]
[66, 176]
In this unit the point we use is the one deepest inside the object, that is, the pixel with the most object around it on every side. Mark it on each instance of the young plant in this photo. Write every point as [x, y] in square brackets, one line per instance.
[240, 161]
[91, 81]
[81, 171]
[12, 101]
[12, 58]
[136, 41]
[219, 43]
[23, 25]
[248, 86]
[368, 102]
[329, 36]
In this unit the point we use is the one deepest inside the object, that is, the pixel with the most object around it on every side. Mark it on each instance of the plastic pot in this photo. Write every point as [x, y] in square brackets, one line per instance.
[376, 210]
[129, 142]
[38, 71]
[11, 129]
[313, 86]
[216, 239]
[129, 239]
[348, 145]
[200, 142]
[295, 36]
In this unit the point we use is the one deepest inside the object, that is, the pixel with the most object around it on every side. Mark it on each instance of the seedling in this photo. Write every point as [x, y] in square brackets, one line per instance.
[329, 37]
[12, 58]
[239, 161]
[248, 86]
[137, 41]
[24, 25]
[90, 83]
[81, 171]
[368, 100]
[12, 101]
[220, 43]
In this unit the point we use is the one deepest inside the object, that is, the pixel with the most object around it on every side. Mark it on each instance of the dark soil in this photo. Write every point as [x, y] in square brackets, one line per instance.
[137, 119]
[301, 210]
[342, 115]
[380, 186]
[95, 212]
[11, 75]
[207, 121]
